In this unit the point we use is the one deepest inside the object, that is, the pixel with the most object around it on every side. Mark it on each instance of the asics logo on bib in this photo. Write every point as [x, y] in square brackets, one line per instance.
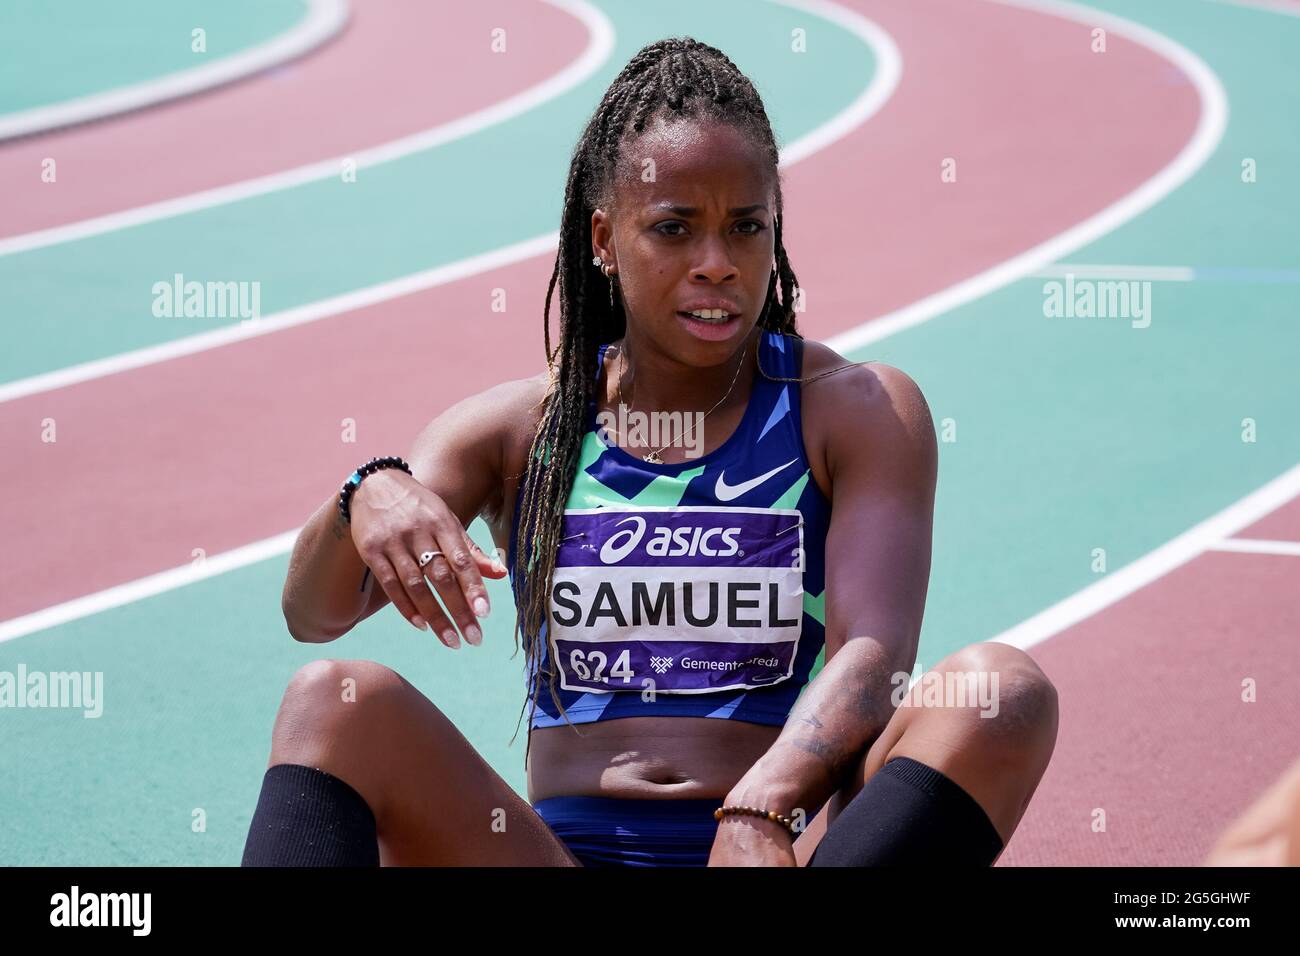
[693, 598]
[668, 541]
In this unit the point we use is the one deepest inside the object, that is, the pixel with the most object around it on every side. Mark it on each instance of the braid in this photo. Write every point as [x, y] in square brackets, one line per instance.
[677, 75]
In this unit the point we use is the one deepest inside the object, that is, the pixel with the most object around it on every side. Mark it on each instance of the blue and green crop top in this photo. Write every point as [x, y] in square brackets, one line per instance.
[692, 589]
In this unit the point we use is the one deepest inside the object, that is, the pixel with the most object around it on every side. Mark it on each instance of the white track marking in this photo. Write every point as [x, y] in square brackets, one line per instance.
[600, 44]
[1258, 546]
[1266, 6]
[148, 586]
[1209, 131]
[1155, 564]
[311, 312]
[1084, 271]
[1209, 534]
[883, 83]
[324, 19]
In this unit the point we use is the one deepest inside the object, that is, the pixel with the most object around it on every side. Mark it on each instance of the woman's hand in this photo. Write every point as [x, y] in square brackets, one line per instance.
[751, 841]
[395, 519]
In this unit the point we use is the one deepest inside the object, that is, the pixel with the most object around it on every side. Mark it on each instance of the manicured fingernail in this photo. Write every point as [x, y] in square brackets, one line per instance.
[474, 635]
[451, 637]
[419, 622]
[481, 607]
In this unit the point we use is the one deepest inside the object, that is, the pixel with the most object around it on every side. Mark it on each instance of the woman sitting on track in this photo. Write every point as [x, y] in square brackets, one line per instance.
[688, 586]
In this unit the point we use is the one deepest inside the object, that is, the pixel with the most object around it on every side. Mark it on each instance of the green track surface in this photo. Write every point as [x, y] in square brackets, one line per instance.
[502, 185]
[55, 50]
[181, 729]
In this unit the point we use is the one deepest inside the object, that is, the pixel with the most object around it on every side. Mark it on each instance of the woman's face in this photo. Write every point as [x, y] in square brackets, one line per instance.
[691, 227]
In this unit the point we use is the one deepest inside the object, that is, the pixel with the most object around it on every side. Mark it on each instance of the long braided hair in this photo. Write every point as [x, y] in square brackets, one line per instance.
[677, 75]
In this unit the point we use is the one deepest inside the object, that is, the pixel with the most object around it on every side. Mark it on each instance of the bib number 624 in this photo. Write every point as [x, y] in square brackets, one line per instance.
[590, 666]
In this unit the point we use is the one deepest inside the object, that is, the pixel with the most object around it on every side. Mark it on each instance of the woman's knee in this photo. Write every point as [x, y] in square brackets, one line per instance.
[334, 699]
[1018, 702]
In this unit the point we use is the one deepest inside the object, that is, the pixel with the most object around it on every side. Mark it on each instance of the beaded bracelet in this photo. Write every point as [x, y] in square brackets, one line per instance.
[772, 815]
[369, 468]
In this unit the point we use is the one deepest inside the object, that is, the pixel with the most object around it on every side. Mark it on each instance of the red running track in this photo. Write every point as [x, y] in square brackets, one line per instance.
[1004, 91]
[1153, 727]
[277, 400]
[1282, 525]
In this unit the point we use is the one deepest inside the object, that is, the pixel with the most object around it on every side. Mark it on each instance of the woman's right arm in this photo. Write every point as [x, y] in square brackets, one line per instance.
[457, 468]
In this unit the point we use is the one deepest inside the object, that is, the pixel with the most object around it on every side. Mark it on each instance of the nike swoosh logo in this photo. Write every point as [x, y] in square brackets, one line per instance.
[726, 492]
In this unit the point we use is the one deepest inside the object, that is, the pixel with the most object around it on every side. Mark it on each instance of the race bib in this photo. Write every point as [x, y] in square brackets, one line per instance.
[684, 600]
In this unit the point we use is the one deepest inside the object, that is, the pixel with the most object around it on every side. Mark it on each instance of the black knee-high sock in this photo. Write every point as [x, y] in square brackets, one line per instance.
[307, 817]
[908, 813]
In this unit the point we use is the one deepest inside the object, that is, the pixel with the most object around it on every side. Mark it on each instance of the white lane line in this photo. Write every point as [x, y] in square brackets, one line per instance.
[1155, 564]
[324, 19]
[1088, 601]
[883, 83]
[1209, 131]
[600, 43]
[1265, 6]
[1086, 271]
[1258, 546]
[311, 312]
[1207, 535]
[142, 588]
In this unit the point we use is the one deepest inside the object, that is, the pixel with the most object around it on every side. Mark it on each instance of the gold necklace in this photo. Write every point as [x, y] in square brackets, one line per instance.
[653, 457]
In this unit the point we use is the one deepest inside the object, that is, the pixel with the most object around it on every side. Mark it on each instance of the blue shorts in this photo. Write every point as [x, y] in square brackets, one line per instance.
[616, 831]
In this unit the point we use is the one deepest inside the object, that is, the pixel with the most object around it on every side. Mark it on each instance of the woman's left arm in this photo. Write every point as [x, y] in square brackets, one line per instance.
[882, 460]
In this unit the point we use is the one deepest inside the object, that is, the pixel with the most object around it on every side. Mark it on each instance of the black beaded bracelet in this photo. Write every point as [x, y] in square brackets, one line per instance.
[369, 468]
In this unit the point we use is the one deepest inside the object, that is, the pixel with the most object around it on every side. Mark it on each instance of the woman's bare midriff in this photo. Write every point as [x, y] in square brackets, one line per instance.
[645, 757]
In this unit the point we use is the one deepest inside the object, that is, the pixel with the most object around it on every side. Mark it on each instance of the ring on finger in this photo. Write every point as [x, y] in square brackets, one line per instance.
[428, 556]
